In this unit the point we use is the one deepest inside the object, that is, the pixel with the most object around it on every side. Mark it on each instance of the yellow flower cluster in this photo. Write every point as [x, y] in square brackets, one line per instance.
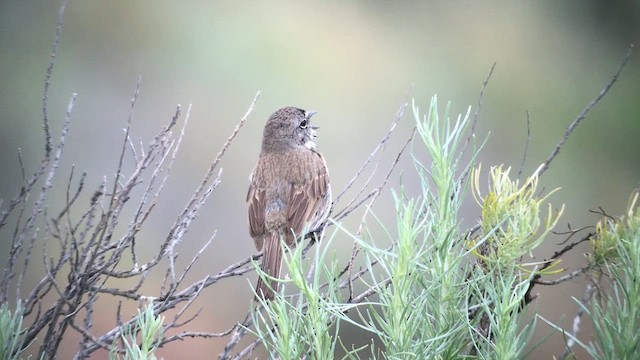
[510, 221]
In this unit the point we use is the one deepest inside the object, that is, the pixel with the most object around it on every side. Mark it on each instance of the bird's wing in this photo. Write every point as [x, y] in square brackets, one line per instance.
[305, 199]
[256, 199]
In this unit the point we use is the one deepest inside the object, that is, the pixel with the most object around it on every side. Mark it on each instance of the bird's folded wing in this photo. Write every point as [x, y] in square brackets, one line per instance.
[305, 200]
[256, 200]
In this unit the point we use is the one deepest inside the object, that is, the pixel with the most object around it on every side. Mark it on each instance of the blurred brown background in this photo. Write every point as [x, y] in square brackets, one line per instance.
[353, 63]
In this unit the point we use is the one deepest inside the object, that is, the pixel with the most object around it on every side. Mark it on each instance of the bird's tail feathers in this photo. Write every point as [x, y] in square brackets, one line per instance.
[271, 264]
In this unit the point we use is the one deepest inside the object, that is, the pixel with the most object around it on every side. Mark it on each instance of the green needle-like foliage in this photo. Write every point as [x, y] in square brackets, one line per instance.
[304, 325]
[141, 340]
[11, 333]
[616, 318]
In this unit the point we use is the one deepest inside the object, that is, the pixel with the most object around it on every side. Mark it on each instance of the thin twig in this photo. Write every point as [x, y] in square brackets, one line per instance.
[239, 331]
[547, 263]
[585, 111]
[526, 145]
[474, 121]
[379, 146]
[377, 192]
[572, 275]
[38, 205]
[476, 114]
[586, 297]
[47, 80]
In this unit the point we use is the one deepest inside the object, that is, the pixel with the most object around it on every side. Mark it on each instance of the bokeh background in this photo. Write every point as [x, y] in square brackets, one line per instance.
[353, 62]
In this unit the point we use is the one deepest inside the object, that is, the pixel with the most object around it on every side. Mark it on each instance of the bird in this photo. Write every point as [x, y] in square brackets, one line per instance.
[289, 191]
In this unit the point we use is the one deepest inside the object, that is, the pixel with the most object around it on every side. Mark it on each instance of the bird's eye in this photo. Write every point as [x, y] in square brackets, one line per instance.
[303, 124]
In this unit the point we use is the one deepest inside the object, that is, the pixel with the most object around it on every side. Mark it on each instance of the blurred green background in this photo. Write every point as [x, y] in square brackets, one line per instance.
[353, 62]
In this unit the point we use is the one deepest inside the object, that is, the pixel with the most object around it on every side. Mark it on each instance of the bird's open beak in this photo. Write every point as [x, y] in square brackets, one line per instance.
[309, 114]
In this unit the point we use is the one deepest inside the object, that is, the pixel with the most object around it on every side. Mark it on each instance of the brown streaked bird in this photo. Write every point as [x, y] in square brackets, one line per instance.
[289, 191]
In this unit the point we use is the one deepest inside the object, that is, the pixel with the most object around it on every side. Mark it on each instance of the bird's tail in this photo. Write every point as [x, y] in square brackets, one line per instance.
[271, 263]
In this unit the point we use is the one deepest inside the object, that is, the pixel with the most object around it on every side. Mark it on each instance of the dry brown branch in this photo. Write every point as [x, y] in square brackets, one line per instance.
[476, 114]
[377, 191]
[471, 135]
[239, 331]
[171, 296]
[575, 326]
[88, 253]
[380, 147]
[572, 126]
[526, 144]
[47, 81]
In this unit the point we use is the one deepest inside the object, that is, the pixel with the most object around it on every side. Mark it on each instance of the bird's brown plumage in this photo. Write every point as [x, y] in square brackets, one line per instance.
[289, 191]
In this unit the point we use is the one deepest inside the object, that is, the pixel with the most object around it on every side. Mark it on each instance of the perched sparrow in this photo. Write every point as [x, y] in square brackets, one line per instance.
[289, 191]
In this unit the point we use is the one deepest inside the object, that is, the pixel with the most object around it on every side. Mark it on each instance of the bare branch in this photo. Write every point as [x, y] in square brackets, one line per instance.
[381, 145]
[586, 111]
[17, 244]
[586, 297]
[472, 131]
[526, 145]
[239, 331]
[47, 81]
[476, 114]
